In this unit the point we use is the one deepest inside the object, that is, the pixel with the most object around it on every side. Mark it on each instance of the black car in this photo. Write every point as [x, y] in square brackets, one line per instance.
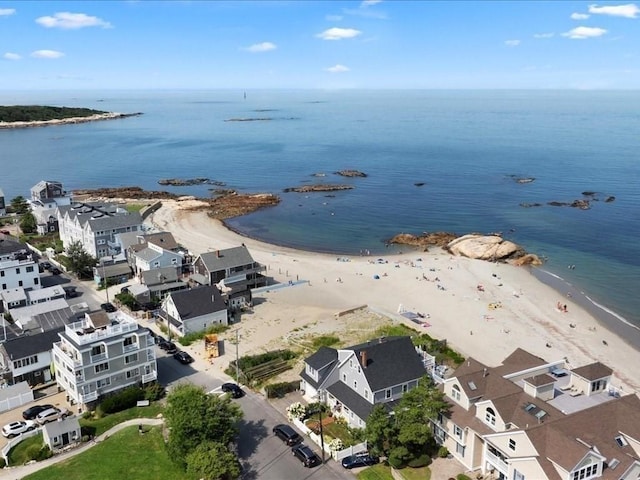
[70, 291]
[183, 357]
[32, 412]
[359, 460]
[287, 434]
[307, 456]
[46, 265]
[168, 347]
[55, 271]
[233, 389]
[108, 307]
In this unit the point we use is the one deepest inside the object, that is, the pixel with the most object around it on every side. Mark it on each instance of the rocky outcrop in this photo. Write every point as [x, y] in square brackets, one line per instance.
[318, 188]
[527, 259]
[439, 239]
[530, 205]
[484, 247]
[70, 120]
[185, 182]
[124, 192]
[351, 173]
[235, 205]
[581, 204]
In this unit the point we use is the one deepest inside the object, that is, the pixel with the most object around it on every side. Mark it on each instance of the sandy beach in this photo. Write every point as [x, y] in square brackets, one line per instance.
[484, 310]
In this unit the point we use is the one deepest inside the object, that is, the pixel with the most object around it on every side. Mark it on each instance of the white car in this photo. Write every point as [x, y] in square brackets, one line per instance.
[16, 428]
[51, 415]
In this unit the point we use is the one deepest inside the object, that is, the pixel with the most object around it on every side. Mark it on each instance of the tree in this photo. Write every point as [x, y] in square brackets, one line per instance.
[380, 430]
[80, 261]
[193, 418]
[19, 205]
[28, 223]
[212, 461]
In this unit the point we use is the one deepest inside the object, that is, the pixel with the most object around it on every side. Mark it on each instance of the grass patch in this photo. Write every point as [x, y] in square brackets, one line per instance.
[396, 330]
[422, 473]
[324, 341]
[97, 426]
[341, 431]
[21, 453]
[126, 454]
[377, 472]
[134, 207]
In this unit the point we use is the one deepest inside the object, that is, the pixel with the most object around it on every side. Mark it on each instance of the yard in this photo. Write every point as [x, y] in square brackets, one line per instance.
[126, 454]
[97, 426]
[383, 472]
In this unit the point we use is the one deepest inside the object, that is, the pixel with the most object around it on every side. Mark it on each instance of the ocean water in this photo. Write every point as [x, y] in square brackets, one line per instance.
[465, 146]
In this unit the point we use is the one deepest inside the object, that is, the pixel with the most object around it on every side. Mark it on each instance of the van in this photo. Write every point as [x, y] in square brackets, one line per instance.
[287, 434]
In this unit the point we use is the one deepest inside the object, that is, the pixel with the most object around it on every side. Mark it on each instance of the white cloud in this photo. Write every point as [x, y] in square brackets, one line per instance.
[11, 56]
[580, 33]
[71, 21]
[579, 16]
[512, 43]
[47, 54]
[261, 47]
[543, 35]
[5, 12]
[336, 33]
[630, 10]
[338, 69]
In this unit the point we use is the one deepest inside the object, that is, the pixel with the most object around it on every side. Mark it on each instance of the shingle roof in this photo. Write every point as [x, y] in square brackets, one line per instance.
[390, 361]
[540, 380]
[486, 384]
[55, 429]
[518, 361]
[323, 361]
[148, 254]
[162, 239]
[593, 371]
[9, 245]
[29, 345]
[198, 301]
[54, 319]
[351, 399]
[523, 410]
[227, 258]
[160, 275]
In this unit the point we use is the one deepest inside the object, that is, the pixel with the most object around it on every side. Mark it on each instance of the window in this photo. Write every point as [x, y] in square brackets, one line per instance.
[174, 261]
[104, 382]
[584, 473]
[512, 444]
[129, 341]
[102, 367]
[24, 362]
[36, 281]
[131, 358]
[517, 475]
[133, 373]
[457, 431]
[455, 392]
[355, 385]
[460, 449]
[490, 416]
[597, 385]
[19, 283]
[97, 350]
[405, 388]
[29, 269]
[387, 393]
[18, 271]
[344, 377]
[351, 363]
[621, 441]
[2, 275]
[366, 394]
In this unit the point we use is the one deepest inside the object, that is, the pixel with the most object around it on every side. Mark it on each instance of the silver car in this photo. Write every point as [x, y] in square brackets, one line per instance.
[16, 428]
[51, 415]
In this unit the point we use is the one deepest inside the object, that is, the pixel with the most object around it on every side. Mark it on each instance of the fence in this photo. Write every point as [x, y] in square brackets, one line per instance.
[15, 401]
[14, 441]
[336, 455]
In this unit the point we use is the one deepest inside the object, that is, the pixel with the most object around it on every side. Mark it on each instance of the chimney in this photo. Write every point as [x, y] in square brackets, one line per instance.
[484, 372]
[363, 358]
[217, 253]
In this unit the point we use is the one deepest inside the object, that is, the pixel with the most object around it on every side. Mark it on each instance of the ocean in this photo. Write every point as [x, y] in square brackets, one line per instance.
[467, 147]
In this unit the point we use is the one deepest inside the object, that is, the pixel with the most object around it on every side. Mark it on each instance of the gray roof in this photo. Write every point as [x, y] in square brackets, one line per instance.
[101, 216]
[24, 314]
[55, 291]
[323, 361]
[14, 295]
[28, 345]
[55, 319]
[8, 245]
[147, 254]
[160, 287]
[198, 278]
[99, 319]
[55, 429]
[227, 258]
[116, 270]
[160, 275]
[198, 301]
[390, 361]
[162, 239]
[350, 399]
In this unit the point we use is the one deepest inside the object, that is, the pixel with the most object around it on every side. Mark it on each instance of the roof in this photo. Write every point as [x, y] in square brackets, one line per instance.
[390, 361]
[55, 429]
[9, 245]
[148, 254]
[593, 371]
[14, 295]
[137, 289]
[227, 258]
[349, 398]
[117, 270]
[197, 302]
[540, 380]
[518, 361]
[54, 319]
[162, 239]
[323, 362]
[29, 345]
[101, 216]
[56, 291]
[24, 314]
[486, 384]
[198, 278]
[99, 319]
[160, 275]
[161, 287]
[523, 410]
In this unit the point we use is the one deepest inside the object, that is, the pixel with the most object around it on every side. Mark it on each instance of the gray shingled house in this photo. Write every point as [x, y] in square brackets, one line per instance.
[194, 310]
[28, 358]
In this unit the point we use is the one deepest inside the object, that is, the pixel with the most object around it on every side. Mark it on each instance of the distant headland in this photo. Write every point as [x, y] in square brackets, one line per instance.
[24, 116]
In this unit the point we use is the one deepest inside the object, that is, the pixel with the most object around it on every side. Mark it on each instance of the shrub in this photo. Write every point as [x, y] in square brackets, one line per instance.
[279, 390]
[122, 400]
[398, 457]
[3, 463]
[296, 411]
[153, 391]
[85, 438]
[443, 452]
[462, 476]
[325, 341]
[420, 461]
[44, 453]
[336, 445]
[189, 338]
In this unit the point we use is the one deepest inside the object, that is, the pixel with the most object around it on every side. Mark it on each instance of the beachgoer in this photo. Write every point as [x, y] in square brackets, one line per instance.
[564, 309]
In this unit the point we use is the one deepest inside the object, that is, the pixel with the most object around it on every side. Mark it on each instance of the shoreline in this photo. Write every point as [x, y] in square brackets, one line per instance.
[515, 307]
[67, 121]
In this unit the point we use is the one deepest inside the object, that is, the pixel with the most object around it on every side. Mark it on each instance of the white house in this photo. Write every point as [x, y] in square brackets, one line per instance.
[28, 358]
[17, 266]
[46, 197]
[155, 257]
[58, 435]
[194, 310]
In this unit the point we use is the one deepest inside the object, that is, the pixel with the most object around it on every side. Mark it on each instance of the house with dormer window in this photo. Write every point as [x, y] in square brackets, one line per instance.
[354, 379]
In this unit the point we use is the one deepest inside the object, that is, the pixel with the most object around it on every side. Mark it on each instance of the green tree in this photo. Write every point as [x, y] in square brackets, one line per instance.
[193, 417]
[19, 205]
[380, 430]
[212, 461]
[28, 223]
[80, 261]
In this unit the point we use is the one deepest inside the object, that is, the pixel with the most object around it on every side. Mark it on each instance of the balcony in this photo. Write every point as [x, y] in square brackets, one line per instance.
[82, 332]
[496, 462]
[132, 347]
[149, 377]
[101, 357]
[88, 397]
[66, 356]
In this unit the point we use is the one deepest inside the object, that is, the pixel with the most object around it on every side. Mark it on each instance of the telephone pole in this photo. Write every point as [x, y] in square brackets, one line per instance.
[237, 356]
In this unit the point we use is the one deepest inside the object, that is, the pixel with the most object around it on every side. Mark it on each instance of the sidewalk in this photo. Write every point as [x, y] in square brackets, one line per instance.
[16, 473]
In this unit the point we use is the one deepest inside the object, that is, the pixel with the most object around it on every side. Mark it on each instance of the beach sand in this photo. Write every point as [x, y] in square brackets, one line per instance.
[445, 289]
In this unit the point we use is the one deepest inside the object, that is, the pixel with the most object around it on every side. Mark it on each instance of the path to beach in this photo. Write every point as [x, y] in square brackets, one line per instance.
[484, 310]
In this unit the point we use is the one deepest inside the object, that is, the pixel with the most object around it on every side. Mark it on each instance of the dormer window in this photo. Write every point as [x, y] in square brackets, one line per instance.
[621, 441]
[512, 444]
[585, 473]
[490, 416]
[455, 392]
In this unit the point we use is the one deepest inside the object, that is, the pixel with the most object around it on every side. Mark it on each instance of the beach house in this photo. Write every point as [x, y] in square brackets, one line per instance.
[46, 197]
[354, 379]
[194, 310]
[533, 419]
[28, 358]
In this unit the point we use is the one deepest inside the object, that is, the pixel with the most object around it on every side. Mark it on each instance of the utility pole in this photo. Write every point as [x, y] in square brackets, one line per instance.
[237, 356]
[320, 405]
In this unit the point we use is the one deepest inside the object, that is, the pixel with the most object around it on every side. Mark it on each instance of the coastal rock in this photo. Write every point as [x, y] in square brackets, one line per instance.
[530, 205]
[522, 180]
[180, 182]
[581, 204]
[124, 192]
[609, 199]
[419, 184]
[351, 173]
[527, 259]
[318, 188]
[222, 191]
[440, 239]
[484, 247]
[235, 205]
[71, 120]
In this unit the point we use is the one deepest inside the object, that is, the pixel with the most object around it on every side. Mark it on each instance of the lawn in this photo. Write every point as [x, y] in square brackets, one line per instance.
[100, 425]
[21, 453]
[383, 472]
[126, 454]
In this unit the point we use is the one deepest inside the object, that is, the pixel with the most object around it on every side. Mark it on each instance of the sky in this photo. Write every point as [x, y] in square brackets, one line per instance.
[370, 44]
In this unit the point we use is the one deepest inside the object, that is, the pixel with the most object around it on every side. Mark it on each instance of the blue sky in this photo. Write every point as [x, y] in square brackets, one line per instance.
[319, 44]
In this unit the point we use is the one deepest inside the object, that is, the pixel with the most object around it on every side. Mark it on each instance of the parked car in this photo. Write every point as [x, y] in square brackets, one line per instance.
[233, 389]
[51, 415]
[360, 460]
[16, 428]
[183, 357]
[55, 271]
[108, 307]
[70, 291]
[32, 412]
[168, 347]
[46, 265]
[287, 434]
[307, 456]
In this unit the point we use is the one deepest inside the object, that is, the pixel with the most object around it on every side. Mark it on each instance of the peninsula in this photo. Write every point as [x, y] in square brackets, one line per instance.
[23, 116]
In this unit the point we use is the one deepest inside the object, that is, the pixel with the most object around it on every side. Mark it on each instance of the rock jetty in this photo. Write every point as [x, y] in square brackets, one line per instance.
[351, 173]
[318, 188]
[185, 182]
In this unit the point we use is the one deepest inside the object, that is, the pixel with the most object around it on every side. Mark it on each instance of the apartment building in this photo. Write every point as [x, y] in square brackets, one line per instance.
[18, 268]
